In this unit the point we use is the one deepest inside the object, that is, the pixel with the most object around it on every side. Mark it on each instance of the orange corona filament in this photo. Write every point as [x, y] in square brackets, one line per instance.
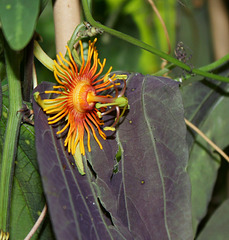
[77, 95]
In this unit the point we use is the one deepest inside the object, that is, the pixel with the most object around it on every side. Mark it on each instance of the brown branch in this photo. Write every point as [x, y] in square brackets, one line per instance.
[162, 23]
[37, 224]
[197, 130]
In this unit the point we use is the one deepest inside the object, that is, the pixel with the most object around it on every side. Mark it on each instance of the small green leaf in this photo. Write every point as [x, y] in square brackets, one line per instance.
[18, 19]
[205, 106]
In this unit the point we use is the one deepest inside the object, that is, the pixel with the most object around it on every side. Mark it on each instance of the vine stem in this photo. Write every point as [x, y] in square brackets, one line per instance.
[197, 130]
[209, 67]
[153, 5]
[13, 60]
[37, 224]
[147, 47]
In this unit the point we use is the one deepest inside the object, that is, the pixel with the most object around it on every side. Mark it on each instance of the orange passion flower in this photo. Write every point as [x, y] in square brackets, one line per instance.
[78, 98]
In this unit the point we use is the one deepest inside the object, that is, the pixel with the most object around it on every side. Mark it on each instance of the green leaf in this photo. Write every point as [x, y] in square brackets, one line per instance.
[205, 105]
[217, 227]
[18, 19]
[27, 195]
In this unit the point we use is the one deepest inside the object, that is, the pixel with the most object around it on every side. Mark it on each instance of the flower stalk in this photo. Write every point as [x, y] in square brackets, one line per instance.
[13, 61]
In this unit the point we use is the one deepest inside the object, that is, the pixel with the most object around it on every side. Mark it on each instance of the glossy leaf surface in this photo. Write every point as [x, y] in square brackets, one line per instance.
[150, 186]
[18, 19]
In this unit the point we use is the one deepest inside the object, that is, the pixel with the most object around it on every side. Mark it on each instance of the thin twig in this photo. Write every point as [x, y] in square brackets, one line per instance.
[220, 151]
[151, 2]
[37, 224]
[34, 77]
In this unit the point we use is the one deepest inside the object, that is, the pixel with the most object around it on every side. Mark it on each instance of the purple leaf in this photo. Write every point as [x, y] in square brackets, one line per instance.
[150, 194]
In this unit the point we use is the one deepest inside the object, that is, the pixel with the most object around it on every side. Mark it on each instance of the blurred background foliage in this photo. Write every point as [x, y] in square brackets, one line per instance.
[137, 18]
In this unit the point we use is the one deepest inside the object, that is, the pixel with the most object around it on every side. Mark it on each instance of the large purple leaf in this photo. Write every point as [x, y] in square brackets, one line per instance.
[148, 196]
[150, 193]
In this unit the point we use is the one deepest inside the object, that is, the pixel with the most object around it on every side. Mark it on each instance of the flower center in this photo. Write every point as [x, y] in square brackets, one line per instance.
[80, 93]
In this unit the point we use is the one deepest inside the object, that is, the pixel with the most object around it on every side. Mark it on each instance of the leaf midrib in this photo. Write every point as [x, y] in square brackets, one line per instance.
[156, 155]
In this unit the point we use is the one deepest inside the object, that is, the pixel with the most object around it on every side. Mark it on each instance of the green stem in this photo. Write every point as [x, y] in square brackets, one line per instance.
[42, 56]
[147, 47]
[209, 67]
[215, 64]
[13, 61]
[74, 38]
[165, 70]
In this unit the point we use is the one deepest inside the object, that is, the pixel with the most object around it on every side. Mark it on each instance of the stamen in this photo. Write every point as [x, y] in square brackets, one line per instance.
[58, 119]
[96, 118]
[72, 73]
[94, 67]
[114, 85]
[117, 116]
[108, 111]
[69, 136]
[82, 149]
[105, 88]
[72, 61]
[75, 141]
[88, 136]
[123, 90]
[61, 70]
[74, 138]
[58, 114]
[101, 69]
[50, 110]
[50, 118]
[57, 92]
[51, 101]
[68, 72]
[64, 128]
[57, 73]
[63, 87]
[82, 57]
[93, 132]
[104, 84]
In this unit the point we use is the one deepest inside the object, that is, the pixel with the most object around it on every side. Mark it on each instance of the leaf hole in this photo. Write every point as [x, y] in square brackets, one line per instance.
[117, 159]
[94, 174]
[106, 213]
